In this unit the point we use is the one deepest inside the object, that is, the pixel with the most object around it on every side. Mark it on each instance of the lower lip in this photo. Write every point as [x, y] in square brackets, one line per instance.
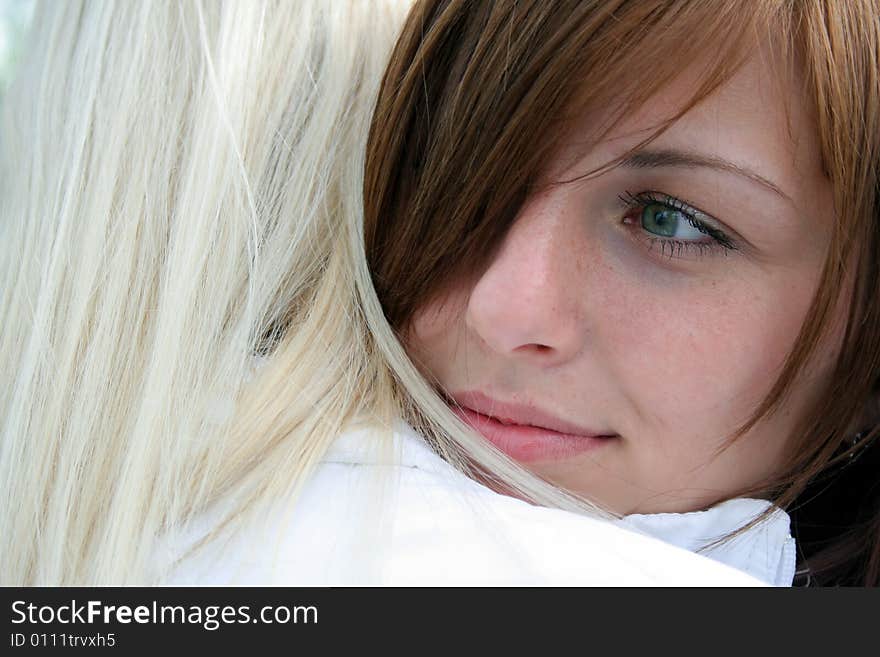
[527, 444]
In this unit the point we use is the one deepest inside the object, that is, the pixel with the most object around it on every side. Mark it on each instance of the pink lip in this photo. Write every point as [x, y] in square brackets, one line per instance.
[526, 433]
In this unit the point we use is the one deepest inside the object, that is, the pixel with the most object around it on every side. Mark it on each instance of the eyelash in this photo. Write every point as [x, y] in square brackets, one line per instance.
[673, 248]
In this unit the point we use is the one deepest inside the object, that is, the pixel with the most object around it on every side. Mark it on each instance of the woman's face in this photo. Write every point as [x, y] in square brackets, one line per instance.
[630, 322]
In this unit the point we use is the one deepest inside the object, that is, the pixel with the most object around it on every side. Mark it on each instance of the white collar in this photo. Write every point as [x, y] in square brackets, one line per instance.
[765, 551]
[408, 449]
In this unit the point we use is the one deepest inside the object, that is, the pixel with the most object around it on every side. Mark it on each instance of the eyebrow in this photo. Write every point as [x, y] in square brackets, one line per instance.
[649, 159]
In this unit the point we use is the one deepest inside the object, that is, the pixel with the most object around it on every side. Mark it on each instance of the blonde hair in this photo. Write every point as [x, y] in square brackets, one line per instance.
[188, 311]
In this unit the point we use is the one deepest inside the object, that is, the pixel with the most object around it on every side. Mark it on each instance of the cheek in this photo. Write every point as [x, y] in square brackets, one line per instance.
[698, 354]
[433, 333]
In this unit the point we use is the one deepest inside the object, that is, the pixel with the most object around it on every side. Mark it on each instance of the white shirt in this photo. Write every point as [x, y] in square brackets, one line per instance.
[766, 550]
[412, 519]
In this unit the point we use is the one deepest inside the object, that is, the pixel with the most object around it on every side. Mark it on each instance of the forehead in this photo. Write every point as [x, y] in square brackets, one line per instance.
[760, 120]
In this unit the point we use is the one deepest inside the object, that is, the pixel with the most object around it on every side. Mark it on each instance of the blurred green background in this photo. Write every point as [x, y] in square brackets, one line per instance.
[15, 17]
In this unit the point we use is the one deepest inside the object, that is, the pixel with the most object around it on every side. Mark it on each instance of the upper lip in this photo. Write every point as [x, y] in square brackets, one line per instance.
[523, 414]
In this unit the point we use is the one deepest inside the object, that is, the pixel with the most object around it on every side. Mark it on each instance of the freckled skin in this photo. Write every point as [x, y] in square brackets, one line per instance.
[578, 315]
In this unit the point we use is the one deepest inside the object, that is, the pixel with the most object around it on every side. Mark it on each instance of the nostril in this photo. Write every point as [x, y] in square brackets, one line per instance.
[539, 348]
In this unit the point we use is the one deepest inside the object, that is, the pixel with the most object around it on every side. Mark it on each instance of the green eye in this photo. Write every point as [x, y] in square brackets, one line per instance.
[666, 221]
[661, 220]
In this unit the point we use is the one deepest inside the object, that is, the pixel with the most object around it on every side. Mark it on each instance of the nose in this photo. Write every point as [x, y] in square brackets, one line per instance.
[526, 305]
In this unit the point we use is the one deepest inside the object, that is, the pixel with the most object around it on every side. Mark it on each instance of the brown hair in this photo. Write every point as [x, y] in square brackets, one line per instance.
[477, 96]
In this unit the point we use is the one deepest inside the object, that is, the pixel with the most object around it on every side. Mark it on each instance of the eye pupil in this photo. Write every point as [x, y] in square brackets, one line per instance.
[660, 220]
